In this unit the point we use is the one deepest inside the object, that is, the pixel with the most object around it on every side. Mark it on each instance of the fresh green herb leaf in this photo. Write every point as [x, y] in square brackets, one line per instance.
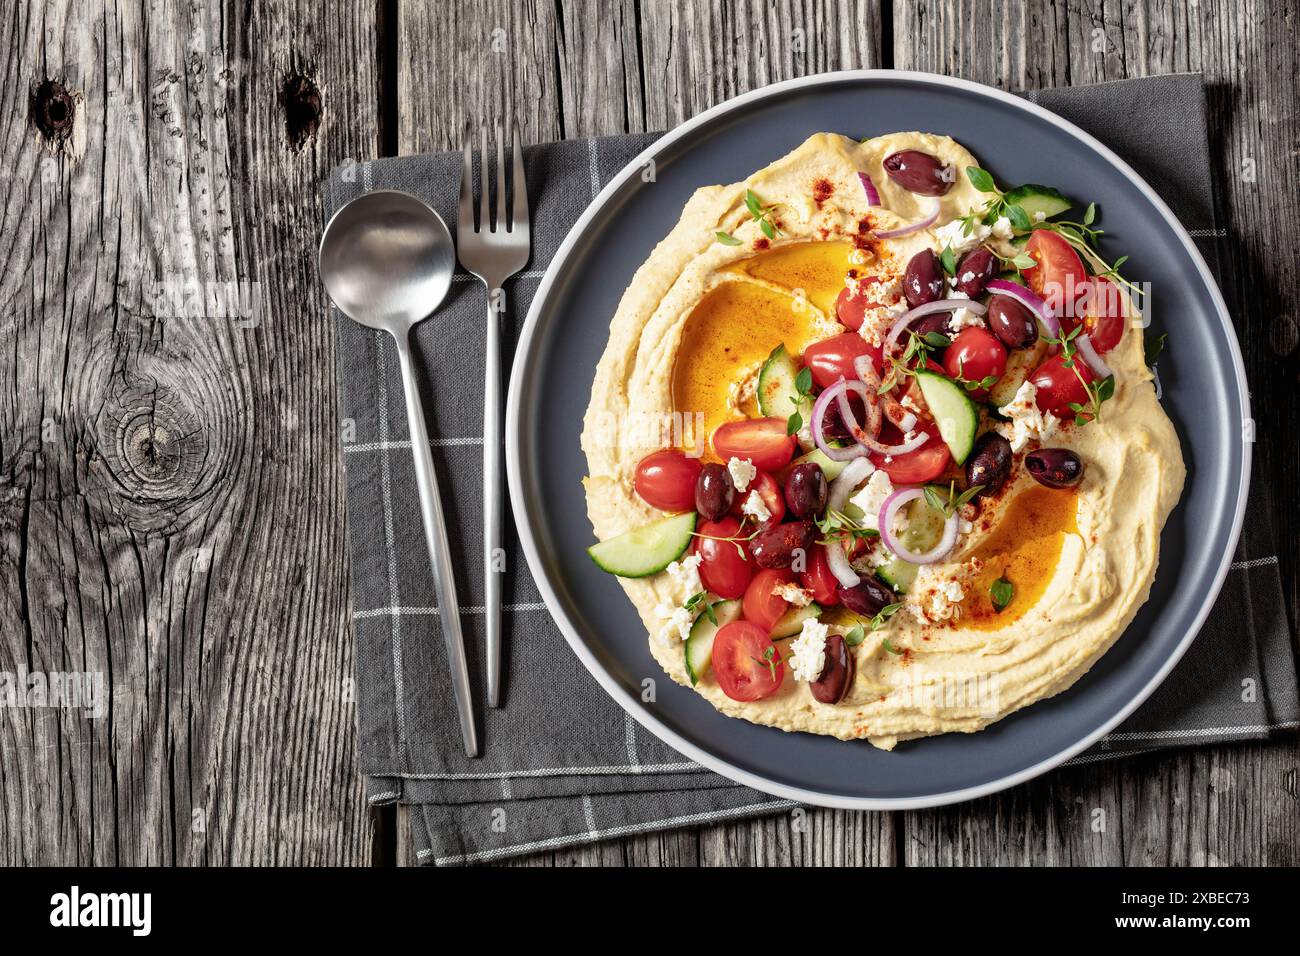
[803, 381]
[1154, 347]
[793, 423]
[1019, 218]
[948, 259]
[855, 636]
[770, 659]
[753, 205]
[884, 614]
[726, 239]
[884, 642]
[1001, 592]
[937, 340]
[1090, 214]
[935, 500]
[769, 230]
[980, 179]
[1024, 261]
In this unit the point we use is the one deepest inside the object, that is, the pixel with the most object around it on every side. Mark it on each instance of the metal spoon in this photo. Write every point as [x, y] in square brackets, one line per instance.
[386, 259]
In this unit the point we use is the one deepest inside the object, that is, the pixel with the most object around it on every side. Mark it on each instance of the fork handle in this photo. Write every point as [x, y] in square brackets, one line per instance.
[493, 558]
[435, 532]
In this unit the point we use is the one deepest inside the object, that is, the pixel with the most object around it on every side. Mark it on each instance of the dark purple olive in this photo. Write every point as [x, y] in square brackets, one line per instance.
[714, 492]
[989, 463]
[778, 546]
[837, 673]
[974, 271]
[1055, 467]
[833, 426]
[919, 172]
[1013, 324]
[806, 489]
[923, 279]
[867, 597]
[934, 322]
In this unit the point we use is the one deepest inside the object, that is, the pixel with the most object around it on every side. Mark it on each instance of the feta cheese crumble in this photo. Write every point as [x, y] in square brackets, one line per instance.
[792, 593]
[954, 234]
[963, 318]
[742, 472]
[808, 651]
[944, 601]
[755, 507]
[871, 496]
[686, 573]
[678, 619]
[1027, 421]
[1002, 228]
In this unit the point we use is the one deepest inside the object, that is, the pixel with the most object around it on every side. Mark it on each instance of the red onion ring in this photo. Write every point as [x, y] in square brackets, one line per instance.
[868, 187]
[889, 509]
[854, 473]
[1030, 301]
[866, 438]
[1091, 357]
[893, 409]
[912, 227]
[817, 426]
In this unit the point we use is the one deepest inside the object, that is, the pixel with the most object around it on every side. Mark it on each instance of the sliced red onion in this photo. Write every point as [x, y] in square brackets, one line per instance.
[866, 438]
[1091, 357]
[890, 405]
[912, 227]
[889, 510]
[854, 473]
[868, 187]
[929, 308]
[908, 422]
[818, 424]
[1030, 301]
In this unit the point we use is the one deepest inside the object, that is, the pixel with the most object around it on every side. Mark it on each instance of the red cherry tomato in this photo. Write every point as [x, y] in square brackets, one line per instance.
[974, 355]
[817, 577]
[914, 467]
[1058, 386]
[762, 440]
[747, 664]
[761, 606]
[770, 491]
[1103, 315]
[1059, 276]
[832, 359]
[724, 570]
[851, 309]
[666, 480]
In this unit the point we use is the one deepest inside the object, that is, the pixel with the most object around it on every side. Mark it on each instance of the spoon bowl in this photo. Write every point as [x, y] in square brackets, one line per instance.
[386, 260]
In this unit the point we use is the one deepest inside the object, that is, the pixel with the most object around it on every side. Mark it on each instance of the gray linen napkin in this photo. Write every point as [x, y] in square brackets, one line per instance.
[563, 764]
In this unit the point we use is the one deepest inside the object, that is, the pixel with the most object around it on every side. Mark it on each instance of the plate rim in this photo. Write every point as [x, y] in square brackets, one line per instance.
[533, 554]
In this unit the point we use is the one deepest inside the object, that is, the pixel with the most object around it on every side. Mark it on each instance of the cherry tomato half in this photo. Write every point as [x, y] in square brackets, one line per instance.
[762, 440]
[818, 578]
[1059, 273]
[724, 569]
[1103, 315]
[914, 467]
[761, 606]
[832, 359]
[851, 309]
[666, 480]
[769, 489]
[1058, 386]
[974, 355]
[746, 662]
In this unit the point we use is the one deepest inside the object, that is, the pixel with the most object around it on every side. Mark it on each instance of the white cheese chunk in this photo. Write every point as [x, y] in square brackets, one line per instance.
[1002, 228]
[808, 651]
[742, 472]
[686, 573]
[1027, 421]
[871, 496]
[793, 594]
[755, 507]
[678, 620]
[954, 234]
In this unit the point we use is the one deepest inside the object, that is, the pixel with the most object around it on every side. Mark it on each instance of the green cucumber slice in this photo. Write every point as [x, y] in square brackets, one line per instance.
[791, 622]
[1020, 365]
[776, 387]
[699, 643]
[923, 531]
[1034, 199]
[646, 550]
[952, 408]
[830, 468]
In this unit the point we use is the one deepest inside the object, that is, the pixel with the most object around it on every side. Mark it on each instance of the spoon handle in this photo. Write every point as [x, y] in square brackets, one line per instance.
[435, 532]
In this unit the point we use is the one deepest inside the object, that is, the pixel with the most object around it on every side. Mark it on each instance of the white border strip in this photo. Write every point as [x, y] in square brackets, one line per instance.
[539, 566]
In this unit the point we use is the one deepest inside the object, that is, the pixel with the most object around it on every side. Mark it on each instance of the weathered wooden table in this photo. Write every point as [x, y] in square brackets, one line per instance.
[171, 490]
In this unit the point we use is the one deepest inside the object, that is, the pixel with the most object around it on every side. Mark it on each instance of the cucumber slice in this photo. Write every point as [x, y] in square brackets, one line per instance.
[791, 622]
[830, 468]
[923, 531]
[1034, 199]
[1020, 364]
[776, 387]
[898, 574]
[699, 644]
[646, 550]
[952, 408]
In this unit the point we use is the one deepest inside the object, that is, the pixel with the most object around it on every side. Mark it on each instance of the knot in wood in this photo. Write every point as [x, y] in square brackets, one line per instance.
[53, 110]
[302, 108]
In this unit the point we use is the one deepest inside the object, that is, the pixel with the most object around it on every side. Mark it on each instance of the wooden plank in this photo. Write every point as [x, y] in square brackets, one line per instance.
[1202, 806]
[575, 69]
[171, 494]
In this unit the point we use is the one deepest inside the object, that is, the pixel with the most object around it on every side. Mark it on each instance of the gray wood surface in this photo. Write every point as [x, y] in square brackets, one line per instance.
[171, 495]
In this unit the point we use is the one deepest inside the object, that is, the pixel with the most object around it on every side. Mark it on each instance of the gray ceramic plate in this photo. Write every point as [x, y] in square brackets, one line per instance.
[566, 331]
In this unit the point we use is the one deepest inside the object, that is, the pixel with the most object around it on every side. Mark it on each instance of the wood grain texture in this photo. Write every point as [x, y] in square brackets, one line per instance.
[171, 494]
[1204, 806]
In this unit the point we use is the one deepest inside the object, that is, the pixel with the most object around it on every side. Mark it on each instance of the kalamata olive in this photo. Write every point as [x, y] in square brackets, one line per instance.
[777, 546]
[934, 322]
[806, 489]
[833, 426]
[714, 492]
[923, 278]
[919, 172]
[989, 463]
[837, 673]
[867, 598]
[1013, 324]
[1055, 467]
[974, 271]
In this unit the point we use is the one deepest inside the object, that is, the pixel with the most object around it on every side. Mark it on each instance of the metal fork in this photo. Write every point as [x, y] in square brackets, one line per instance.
[494, 251]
